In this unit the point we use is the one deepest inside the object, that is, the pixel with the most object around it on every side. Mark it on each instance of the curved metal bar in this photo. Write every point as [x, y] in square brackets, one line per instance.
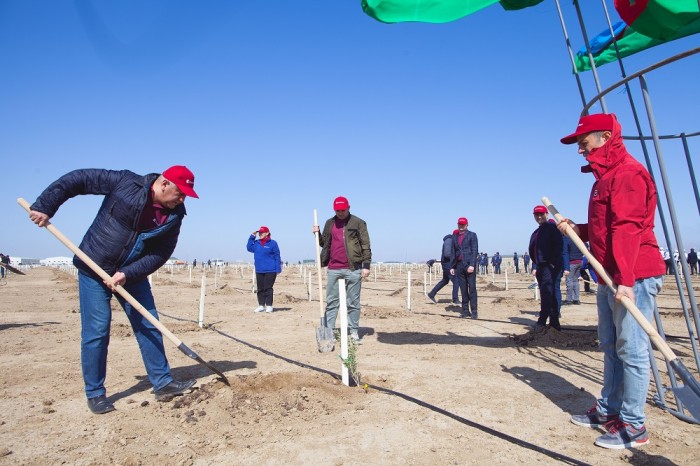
[668, 136]
[604, 92]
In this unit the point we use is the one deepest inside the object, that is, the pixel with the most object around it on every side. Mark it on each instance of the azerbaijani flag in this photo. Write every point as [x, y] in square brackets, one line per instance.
[658, 19]
[629, 42]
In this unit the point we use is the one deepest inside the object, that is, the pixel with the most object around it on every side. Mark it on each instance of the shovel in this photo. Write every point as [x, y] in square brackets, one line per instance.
[11, 269]
[126, 295]
[688, 394]
[324, 335]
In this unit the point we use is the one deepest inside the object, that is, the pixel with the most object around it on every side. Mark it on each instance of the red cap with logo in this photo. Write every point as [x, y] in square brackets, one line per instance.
[263, 230]
[183, 178]
[539, 209]
[454, 232]
[462, 221]
[341, 203]
[590, 123]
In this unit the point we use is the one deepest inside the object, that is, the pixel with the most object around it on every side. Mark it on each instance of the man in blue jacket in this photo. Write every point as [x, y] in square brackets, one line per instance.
[465, 253]
[546, 246]
[133, 235]
[445, 259]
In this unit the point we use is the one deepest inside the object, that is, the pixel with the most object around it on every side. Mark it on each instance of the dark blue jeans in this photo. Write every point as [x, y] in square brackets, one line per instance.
[548, 282]
[467, 286]
[446, 278]
[96, 318]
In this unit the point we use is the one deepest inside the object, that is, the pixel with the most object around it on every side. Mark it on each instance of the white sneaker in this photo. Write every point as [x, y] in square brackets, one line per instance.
[259, 309]
[268, 308]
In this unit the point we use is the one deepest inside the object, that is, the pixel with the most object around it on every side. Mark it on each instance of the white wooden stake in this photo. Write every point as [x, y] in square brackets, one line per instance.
[408, 295]
[425, 285]
[309, 286]
[342, 296]
[506, 279]
[202, 293]
[189, 267]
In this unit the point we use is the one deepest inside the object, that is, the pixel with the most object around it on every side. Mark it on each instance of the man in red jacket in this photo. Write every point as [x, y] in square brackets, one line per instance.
[620, 230]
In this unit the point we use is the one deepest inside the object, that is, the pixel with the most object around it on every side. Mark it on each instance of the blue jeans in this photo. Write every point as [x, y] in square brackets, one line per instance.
[95, 319]
[446, 278]
[625, 347]
[572, 286]
[353, 286]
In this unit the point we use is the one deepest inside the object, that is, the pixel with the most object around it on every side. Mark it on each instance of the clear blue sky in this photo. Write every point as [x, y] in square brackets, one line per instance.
[280, 106]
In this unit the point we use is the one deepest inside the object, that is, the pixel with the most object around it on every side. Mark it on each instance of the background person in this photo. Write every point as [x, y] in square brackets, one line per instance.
[546, 245]
[445, 259]
[347, 254]
[133, 235]
[573, 273]
[693, 261]
[620, 229]
[465, 257]
[266, 256]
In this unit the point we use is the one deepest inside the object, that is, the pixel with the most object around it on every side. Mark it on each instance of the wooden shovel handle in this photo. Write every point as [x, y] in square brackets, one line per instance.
[105, 276]
[629, 305]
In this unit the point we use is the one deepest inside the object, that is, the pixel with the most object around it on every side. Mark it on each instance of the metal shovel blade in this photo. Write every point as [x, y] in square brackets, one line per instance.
[325, 338]
[689, 399]
[185, 349]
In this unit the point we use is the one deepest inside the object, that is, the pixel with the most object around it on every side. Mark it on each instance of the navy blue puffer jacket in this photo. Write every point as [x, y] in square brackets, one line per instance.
[113, 240]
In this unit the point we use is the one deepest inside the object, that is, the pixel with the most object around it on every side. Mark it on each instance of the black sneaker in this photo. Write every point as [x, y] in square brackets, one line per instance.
[465, 315]
[592, 418]
[100, 405]
[566, 303]
[621, 435]
[576, 301]
[432, 299]
[173, 389]
[475, 315]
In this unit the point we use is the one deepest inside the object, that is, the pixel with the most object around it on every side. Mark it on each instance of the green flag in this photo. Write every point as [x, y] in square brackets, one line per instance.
[425, 11]
[628, 43]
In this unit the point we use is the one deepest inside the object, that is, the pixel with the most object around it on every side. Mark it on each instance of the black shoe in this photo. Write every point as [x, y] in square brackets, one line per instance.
[555, 326]
[465, 315]
[173, 389]
[432, 299]
[475, 315]
[566, 303]
[100, 405]
[457, 302]
[576, 301]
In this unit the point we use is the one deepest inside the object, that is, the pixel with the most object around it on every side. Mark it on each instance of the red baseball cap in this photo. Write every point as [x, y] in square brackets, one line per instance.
[539, 209]
[263, 230]
[462, 221]
[183, 178]
[341, 203]
[454, 232]
[589, 123]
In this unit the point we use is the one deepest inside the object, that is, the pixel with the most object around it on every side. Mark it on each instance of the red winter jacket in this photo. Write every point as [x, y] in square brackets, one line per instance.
[621, 213]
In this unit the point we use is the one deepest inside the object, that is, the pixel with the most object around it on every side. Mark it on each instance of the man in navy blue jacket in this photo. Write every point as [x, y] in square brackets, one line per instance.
[463, 264]
[133, 235]
[546, 246]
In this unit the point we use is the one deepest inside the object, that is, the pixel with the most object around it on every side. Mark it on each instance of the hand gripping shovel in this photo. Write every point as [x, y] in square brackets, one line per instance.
[126, 295]
[324, 335]
[688, 394]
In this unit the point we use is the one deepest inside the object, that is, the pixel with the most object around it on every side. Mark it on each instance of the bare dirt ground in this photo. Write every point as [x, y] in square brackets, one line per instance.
[440, 390]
